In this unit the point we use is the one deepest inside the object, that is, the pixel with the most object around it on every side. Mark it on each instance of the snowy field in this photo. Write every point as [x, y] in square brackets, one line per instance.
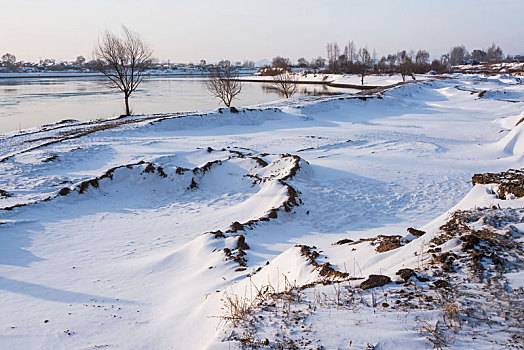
[143, 232]
[343, 79]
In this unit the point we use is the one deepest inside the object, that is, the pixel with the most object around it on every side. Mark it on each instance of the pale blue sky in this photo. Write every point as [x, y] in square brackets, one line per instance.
[183, 30]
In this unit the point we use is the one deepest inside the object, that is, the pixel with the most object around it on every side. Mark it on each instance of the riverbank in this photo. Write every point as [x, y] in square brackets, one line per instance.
[178, 73]
[348, 81]
[147, 231]
[27, 103]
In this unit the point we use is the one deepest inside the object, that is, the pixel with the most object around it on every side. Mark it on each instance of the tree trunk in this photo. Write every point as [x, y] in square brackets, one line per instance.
[362, 78]
[126, 97]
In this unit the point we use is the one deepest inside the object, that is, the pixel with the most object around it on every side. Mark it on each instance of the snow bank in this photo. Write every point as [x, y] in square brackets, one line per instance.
[513, 142]
[289, 269]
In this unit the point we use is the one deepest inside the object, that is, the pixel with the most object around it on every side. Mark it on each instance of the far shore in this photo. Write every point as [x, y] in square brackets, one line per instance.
[331, 83]
[343, 81]
[96, 74]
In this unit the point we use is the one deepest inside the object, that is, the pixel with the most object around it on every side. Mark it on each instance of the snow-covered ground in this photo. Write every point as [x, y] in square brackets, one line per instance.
[343, 79]
[134, 233]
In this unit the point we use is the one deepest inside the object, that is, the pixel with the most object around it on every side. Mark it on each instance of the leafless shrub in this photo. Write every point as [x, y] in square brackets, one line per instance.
[285, 84]
[236, 308]
[223, 83]
[436, 334]
[123, 60]
[450, 320]
[452, 316]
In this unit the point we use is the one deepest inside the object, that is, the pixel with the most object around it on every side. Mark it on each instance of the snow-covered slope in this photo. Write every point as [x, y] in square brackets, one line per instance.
[135, 232]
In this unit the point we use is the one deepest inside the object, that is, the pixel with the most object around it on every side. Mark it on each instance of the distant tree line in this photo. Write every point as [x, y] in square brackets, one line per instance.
[360, 60]
[10, 64]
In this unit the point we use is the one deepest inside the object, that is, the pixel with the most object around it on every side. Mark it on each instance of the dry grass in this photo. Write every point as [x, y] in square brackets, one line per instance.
[436, 334]
[236, 308]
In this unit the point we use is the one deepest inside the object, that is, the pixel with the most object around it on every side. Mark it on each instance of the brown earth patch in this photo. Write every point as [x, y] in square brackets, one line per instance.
[511, 181]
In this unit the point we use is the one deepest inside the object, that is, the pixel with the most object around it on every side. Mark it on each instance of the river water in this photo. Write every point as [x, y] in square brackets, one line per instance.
[31, 102]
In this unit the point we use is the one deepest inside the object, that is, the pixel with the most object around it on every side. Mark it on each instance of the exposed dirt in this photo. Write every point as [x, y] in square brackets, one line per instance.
[415, 232]
[383, 243]
[374, 281]
[405, 274]
[511, 181]
[326, 270]
[193, 184]
[343, 241]
[238, 254]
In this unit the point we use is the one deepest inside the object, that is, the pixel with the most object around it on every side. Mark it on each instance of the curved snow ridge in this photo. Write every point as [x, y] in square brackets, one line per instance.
[513, 142]
[295, 268]
[248, 171]
[276, 193]
[271, 174]
[214, 119]
[249, 188]
[120, 173]
[357, 107]
[290, 269]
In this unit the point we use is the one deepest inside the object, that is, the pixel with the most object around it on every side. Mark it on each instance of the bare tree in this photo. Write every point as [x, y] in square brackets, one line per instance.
[479, 56]
[364, 63]
[351, 52]
[80, 61]
[9, 62]
[8, 58]
[302, 62]
[421, 61]
[223, 83]
[318, 63]
[333, 54]
[286, 84]
[495, 54]
[123, 60]
[458, 55]
[281, 63]
[405, 64]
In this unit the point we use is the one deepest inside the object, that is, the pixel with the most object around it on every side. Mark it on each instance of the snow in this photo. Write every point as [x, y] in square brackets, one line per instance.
[513, 142]
[516, 279]
[131, 262]
[344, 79]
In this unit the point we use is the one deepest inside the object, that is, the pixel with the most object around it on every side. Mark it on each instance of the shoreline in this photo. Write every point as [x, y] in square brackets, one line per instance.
[309, 82]
[95, 74]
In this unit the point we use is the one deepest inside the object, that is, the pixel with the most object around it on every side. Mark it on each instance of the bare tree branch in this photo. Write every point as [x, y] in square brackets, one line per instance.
[223, 83]
[285, 84]
[123, 60]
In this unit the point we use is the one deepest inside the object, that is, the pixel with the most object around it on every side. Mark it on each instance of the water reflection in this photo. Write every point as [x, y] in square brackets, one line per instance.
[30, 102]
[308, 90]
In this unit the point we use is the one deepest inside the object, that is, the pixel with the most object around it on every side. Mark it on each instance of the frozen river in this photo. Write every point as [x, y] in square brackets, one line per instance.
[30, 102]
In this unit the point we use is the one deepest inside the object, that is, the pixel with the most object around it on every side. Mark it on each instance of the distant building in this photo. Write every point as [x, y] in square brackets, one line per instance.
[518, 58]
[479, 57]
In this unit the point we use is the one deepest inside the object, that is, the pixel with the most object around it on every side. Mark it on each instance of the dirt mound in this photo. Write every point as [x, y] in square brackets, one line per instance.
[382, 243]
[374, 281]
[325, 270]
[415, 232]
[511, 181]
